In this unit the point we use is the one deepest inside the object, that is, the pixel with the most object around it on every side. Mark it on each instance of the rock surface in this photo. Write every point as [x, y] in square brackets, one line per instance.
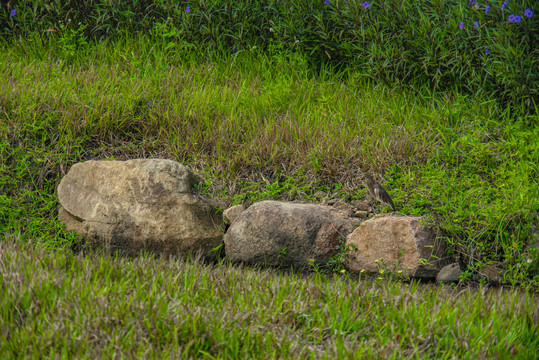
[361, 205]
[138, 204]
[232, 213]
[284, 234]
[361, 214]
[343, 208]
[492, 274]
[449, 273]
[398, 243]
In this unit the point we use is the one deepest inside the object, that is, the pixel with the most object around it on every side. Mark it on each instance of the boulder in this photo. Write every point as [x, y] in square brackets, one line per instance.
[394, 243]
[139, 204]
[287, 234]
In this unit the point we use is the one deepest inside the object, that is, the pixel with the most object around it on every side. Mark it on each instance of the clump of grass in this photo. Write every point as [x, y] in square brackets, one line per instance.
[55, 303]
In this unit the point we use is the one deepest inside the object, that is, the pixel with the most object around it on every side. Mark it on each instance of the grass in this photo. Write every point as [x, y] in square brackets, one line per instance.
[258, 126]
[57, 304]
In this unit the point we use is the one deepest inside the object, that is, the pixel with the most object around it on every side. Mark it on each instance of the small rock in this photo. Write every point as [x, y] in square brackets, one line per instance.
[360, 205]
[232, 213]
[361, 214]
[344, 208]
[491, 273]
[449, 273]
[425, 272]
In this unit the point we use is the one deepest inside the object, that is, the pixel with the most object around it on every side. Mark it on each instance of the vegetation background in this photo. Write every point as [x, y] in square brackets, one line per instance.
[270, 100]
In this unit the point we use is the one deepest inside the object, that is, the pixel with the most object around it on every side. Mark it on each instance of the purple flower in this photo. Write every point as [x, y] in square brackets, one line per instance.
[504, 4]
[461, 26]
[471, 2]
[487, 51]
[13, 12]
[187, 10]
[476, 24]
[326, 2]
[518, 18]
[487, 9]
[365, 4]
[528, 13]
[511, 18]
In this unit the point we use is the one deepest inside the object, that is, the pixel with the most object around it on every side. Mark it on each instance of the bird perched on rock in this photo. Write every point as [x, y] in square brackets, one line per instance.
[378, 191]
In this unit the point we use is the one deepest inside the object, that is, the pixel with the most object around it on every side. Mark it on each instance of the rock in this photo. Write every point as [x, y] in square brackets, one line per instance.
[449, 273]
[232, 213]
[424, 272]
[361, 205]
[138, 204]
[491, 273]
[398, 243]
[287, 234]
[343, 208]
[361, 214]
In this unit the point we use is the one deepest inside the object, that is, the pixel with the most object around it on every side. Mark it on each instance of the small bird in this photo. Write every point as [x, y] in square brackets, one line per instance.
[378, 191]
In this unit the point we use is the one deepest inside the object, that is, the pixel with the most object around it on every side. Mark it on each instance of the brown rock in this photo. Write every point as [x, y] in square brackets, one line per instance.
[398, 243]
[232, 213]
[361, 205]
[361, 214]
[343, 208]
[491, 273]
[138, 204]
[449, 273]
[278, 233]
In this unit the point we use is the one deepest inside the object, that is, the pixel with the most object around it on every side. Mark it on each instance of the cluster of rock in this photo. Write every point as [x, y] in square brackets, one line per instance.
[151, 204]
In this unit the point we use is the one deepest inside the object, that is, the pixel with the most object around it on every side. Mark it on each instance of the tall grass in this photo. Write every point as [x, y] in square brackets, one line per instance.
[55, 304]
[417, 44]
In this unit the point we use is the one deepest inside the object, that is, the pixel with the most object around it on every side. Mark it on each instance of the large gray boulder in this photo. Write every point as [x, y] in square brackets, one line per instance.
[138, 204]
[284, 234]
[393, 243]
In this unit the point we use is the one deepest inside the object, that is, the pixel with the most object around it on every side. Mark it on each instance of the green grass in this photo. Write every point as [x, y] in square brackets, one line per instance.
[56, 304]
[259, 127]
[408, 42]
